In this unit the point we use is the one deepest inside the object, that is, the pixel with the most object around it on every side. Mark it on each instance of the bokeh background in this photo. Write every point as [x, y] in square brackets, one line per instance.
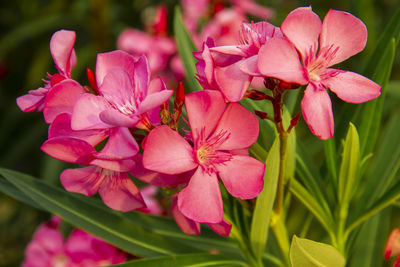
[26, 27]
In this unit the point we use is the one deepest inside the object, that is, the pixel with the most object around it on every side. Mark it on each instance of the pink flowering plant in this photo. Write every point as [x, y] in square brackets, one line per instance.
[199, 143]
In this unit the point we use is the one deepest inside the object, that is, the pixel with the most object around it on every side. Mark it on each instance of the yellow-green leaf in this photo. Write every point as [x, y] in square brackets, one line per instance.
[308, 253]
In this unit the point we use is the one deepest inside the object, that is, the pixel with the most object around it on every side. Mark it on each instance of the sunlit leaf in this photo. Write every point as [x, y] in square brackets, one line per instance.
[308, 253]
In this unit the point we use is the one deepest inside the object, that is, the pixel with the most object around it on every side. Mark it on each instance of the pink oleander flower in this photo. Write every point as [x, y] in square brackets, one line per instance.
[106, 171]
[62, 51]
[320, 45]
[191, 227]
[48, 249]
[217, 132]
[392, 248]
[231, 66]
[125, 95]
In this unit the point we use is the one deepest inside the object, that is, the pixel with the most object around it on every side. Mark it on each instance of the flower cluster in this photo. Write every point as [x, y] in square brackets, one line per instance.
[99, 126]
[49, 248]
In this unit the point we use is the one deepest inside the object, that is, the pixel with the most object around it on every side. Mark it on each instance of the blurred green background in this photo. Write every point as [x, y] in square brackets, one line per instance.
[26, 27]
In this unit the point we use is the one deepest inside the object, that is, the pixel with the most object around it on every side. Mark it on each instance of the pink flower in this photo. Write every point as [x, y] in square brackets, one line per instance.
[61, 48]
[392, 248]
[124, 97]
[216, 131]
[320, 45]
[48, 249]
[106, 171]
[234, 69]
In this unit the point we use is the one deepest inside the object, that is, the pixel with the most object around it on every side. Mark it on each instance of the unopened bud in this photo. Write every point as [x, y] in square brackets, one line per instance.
[393, 244]
[261, 114]
[256, 95]
[295, 120]
[92, 80]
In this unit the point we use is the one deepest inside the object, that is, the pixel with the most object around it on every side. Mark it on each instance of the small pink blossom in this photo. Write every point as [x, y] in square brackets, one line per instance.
[233, 68]
[320, 45]
[217, 131]
[124, 98]
[106, 171]
[48, 249]
[62, 51]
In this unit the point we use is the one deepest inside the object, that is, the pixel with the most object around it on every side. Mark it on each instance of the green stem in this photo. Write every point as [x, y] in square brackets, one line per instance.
[283, 137]
[280, 232]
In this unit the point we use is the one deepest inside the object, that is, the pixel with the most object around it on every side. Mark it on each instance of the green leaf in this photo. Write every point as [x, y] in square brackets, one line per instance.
[378, 69]
[12, 191]
[308, 253]
[265, 201]
[349, 166]
[331, 156]
[313, 205]
[368, 247]
[195, 260]
[186, 47]
[98, 221]
[372, 111]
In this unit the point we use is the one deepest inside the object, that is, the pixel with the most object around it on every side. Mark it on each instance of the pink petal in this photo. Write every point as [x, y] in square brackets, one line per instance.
[279, 59]
[156, 85]
[86, 112]
[124, 165]
[345, 32]
[115, 118]
[249, 66]
[120, 145]
[61, 99]
[151, 177]
[233, 50]
[107, 61]
[317, 111]
[232, 81]
[223, 228]
[204, 109]
[352, 87]
[68, 149]
[239, 125]
[117, 87]
[61, 47]
[201, 199]
[187, 225]
[61, 126]
[172, 157]
[84, 180]
[243, 176]
[120, 193]
[142, 76]
[30, 102]
[302, 27]
[154, 100]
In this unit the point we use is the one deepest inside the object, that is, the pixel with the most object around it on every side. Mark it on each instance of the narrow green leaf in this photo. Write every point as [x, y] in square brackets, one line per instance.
[265, 201]
[12, 191]
[372, 111]
[378, 68]
[313, 206]
[331, 156]
[106, 225]
[368, 247]
[194, 260]
[308, 253]
[349, 167]
[389, 198]
[186, 47]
